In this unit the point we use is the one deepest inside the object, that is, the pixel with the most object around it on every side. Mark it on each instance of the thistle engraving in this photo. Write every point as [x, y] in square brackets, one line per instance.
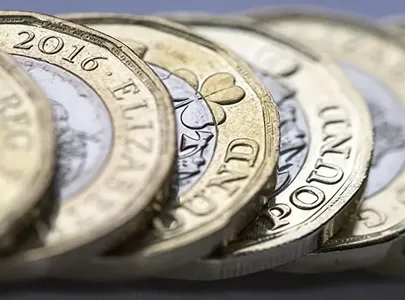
[294, 137]
[389, 136]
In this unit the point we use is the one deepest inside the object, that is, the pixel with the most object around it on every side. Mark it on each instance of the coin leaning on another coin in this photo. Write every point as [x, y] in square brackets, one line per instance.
[228, 141]
[27, 147]
[115, 130]
[326, 143]
[374, 59]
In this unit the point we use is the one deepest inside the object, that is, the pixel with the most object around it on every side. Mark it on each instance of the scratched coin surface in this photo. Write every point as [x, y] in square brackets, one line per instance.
[374, 59]
[228, 140]
[27, 151]
[116, 137]
[325, 149]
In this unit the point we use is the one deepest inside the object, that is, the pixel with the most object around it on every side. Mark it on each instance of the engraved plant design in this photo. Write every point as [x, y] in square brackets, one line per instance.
[217, 90]
[72, 146]
[388, 137]
[293, 144]
[293, 150]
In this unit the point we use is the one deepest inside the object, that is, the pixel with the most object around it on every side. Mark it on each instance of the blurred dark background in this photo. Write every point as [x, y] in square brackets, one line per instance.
[267, 285]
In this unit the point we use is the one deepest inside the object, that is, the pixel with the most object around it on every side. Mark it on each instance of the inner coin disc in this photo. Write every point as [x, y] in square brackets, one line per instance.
[27, 150]
[326, 142]
[374, 59]
[393, 263]
[228, 140]
[115, 129]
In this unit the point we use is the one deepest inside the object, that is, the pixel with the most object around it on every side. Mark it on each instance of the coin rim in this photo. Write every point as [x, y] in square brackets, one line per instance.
[245, 23]
[164, 164]
[249, 24]
[40, 181]
[313, 13]
[349, 205]
[393, 262]
[231, 221]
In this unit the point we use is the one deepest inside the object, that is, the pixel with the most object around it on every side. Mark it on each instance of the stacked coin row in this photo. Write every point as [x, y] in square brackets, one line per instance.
[200, 147]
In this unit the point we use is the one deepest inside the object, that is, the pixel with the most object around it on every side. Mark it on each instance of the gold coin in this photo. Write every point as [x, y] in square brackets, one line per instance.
[115, 129]
[374, 59]
[27, 148]
[326, 142]
[228, 141]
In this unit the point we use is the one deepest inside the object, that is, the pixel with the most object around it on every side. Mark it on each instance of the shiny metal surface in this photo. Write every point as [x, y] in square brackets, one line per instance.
[116, 131]
[227, 185]
[374, 58]
[312, 206]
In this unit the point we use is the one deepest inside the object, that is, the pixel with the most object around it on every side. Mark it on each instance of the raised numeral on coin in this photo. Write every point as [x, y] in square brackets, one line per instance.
[53, 45]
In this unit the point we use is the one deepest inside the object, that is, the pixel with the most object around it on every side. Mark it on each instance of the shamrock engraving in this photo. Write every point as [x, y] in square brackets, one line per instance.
[217, 90]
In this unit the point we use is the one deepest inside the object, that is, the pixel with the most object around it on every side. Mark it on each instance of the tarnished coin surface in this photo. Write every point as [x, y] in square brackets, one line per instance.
[228, 140]
[27, 150]
[116, 137]
[374, 59]
[326, 142]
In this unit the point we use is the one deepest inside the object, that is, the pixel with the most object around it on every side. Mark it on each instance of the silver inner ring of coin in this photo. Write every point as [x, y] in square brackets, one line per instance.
[83, 125]
[389, 129]
[196, 130]
[294, 136]
[294, 132]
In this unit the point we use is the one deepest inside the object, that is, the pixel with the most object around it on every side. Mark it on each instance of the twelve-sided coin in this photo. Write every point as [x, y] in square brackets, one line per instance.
[393, 263]
[228, 140]
[115, 129]
[326, 143]
[374, 59]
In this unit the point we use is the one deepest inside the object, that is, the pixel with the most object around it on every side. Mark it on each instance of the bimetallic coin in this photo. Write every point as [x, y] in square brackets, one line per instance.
[115, 129]
[393, 263]
[326, 142]
[228, 140]
[374, 59]
[27, 151]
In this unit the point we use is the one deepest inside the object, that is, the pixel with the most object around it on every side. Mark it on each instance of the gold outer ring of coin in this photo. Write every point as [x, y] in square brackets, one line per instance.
[230, 190]
[294, 225]
[132, 184]
[380, 55]
[393, 263]
[27, 151]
